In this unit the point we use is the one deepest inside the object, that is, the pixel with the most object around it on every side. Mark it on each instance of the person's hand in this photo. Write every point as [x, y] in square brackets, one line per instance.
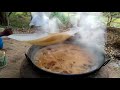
[7, 32]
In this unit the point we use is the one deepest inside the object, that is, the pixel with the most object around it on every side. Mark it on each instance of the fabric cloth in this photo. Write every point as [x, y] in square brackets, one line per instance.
[39, 19]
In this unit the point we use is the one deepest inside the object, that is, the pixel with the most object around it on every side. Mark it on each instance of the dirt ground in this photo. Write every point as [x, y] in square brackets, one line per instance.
[15, 51]
[15, 54]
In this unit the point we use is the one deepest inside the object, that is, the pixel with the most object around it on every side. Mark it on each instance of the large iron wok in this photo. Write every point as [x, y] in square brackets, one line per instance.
[100, 63]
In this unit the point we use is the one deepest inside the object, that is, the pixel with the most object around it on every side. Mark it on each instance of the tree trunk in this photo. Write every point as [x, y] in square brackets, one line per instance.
[4, 18]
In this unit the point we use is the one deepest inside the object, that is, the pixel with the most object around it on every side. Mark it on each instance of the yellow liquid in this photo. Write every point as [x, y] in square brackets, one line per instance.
[51, 39]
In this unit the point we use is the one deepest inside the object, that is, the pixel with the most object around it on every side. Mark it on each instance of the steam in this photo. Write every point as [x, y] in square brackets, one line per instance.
[88, 31]
[87, 28]
[91, 34]
[44, 24]
[91, 30]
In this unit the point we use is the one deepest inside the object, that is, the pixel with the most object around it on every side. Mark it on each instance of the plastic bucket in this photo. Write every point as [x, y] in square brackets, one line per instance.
[1, 43]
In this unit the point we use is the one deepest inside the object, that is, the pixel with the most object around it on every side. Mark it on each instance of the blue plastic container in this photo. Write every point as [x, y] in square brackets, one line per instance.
[1, 43]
